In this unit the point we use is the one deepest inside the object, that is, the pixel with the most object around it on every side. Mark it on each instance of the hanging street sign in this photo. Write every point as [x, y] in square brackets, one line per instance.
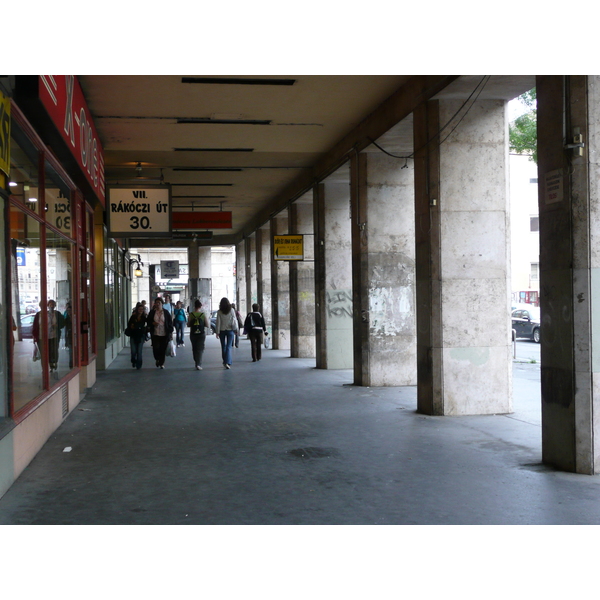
[139, 212]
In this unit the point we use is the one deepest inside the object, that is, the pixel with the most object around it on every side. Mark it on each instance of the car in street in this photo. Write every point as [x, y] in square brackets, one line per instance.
[526, 323]
[213, 321]
[27, 326]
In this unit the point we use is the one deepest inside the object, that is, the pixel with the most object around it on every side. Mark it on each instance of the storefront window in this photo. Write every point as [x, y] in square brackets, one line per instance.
[59, 281]
[3, 322]
[24, 172]
[25, 264]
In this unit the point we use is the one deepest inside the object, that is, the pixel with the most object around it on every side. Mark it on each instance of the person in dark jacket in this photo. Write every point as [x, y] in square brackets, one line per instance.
[138, 328]
[160, 325]
[56, 322]
[256, 329]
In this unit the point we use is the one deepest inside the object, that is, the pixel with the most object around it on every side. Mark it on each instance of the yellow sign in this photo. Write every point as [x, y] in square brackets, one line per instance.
[288, 247]
[4, 134]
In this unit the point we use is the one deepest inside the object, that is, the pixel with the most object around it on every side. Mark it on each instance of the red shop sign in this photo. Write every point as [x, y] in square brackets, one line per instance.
[65, 103]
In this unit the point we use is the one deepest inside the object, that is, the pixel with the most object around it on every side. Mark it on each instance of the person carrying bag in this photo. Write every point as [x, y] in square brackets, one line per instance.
[256, 329]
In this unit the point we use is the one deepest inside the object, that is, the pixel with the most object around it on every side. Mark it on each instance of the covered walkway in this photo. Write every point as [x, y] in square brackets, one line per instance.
[280, 442]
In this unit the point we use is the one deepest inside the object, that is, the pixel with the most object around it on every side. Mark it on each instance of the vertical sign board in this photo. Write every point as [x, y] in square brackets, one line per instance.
[288, 247]
[4, 134]
[63, 99]
[139, 212]
[554, 186]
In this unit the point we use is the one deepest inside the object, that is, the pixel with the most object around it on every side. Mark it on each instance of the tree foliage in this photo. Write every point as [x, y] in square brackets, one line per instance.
[523, 130]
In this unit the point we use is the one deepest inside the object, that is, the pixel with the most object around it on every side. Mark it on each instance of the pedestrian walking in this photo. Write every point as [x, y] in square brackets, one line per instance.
[256, 328]
[199, 324]
[160, 325]
[179, 320]
[225, 329]
[167, 305]
[137, 327]
[56, 322]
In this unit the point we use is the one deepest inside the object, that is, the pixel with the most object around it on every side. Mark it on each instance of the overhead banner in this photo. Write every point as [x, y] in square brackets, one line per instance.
[140, 212]
[202, 220]
[4, 134]
[288, 247]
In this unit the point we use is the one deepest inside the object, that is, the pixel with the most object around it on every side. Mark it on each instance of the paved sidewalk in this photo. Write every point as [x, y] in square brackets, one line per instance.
[280, 442]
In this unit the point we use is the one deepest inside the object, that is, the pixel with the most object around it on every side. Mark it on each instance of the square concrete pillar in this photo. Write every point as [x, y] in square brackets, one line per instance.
[263, 274]
[463, 260]
[333, 275]
[302, 282]
[280, 290]
[569, 209]
[240, 278]
[383, 258]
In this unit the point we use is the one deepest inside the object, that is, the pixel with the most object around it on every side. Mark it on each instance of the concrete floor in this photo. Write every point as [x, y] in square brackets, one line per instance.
[279, 442]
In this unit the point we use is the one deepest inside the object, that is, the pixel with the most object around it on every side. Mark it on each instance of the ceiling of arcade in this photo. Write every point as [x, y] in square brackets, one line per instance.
[249, 145]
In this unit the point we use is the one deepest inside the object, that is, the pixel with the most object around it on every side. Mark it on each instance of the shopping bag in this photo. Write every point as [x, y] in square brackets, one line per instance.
[171, 351]
[36, 352]
[267, 341]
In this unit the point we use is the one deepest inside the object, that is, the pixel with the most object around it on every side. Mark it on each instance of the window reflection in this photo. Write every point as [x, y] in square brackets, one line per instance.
[25, 301]
[59, 272]
[24, 159]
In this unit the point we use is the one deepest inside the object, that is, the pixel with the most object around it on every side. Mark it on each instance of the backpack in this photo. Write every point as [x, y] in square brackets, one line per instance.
[197, 324]
[255, 321]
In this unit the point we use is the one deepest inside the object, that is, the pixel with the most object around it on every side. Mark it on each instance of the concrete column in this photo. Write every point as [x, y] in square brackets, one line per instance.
[251, 285]
[240, 269]
[569, 209]
[263, 274]
[463, 260]
[302, 282]
[199, 274]
[383, 271]
[333, 276]
[280, 290]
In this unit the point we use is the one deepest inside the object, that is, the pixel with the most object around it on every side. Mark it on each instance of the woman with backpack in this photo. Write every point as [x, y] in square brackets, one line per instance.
[198, 324]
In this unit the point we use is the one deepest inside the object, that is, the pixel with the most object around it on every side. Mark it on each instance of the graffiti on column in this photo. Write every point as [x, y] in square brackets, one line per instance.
[339, 303]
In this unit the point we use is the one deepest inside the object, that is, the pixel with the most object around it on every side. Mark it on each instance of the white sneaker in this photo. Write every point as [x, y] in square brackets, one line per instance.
[228, 366]
[198, 368]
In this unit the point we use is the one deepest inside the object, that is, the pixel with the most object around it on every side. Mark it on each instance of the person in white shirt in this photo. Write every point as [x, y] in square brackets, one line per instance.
[225, 330]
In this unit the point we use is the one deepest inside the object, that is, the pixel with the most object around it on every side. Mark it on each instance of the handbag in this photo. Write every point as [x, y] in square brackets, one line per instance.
[267, 341]
[36, 352]
[171, 351]
[128, 331]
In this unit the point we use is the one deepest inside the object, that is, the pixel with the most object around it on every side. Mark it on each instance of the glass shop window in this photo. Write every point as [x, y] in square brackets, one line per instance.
[61, 312]
[24, 170]
[25, 265]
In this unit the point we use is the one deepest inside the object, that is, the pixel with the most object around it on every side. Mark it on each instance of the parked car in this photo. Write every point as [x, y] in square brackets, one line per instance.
[526, 323]
[213, 321]
[27, 326]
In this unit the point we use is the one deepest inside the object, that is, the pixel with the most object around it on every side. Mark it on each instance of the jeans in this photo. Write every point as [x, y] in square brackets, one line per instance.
[179, 327]
[198, 340]
[136, 352]
[227, 338]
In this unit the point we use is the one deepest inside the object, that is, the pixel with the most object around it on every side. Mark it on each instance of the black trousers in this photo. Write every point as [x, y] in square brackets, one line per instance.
[159, 348]
[255, 336]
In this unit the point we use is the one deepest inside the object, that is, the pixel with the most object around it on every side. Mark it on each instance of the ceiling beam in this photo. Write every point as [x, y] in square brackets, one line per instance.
[398, 106]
